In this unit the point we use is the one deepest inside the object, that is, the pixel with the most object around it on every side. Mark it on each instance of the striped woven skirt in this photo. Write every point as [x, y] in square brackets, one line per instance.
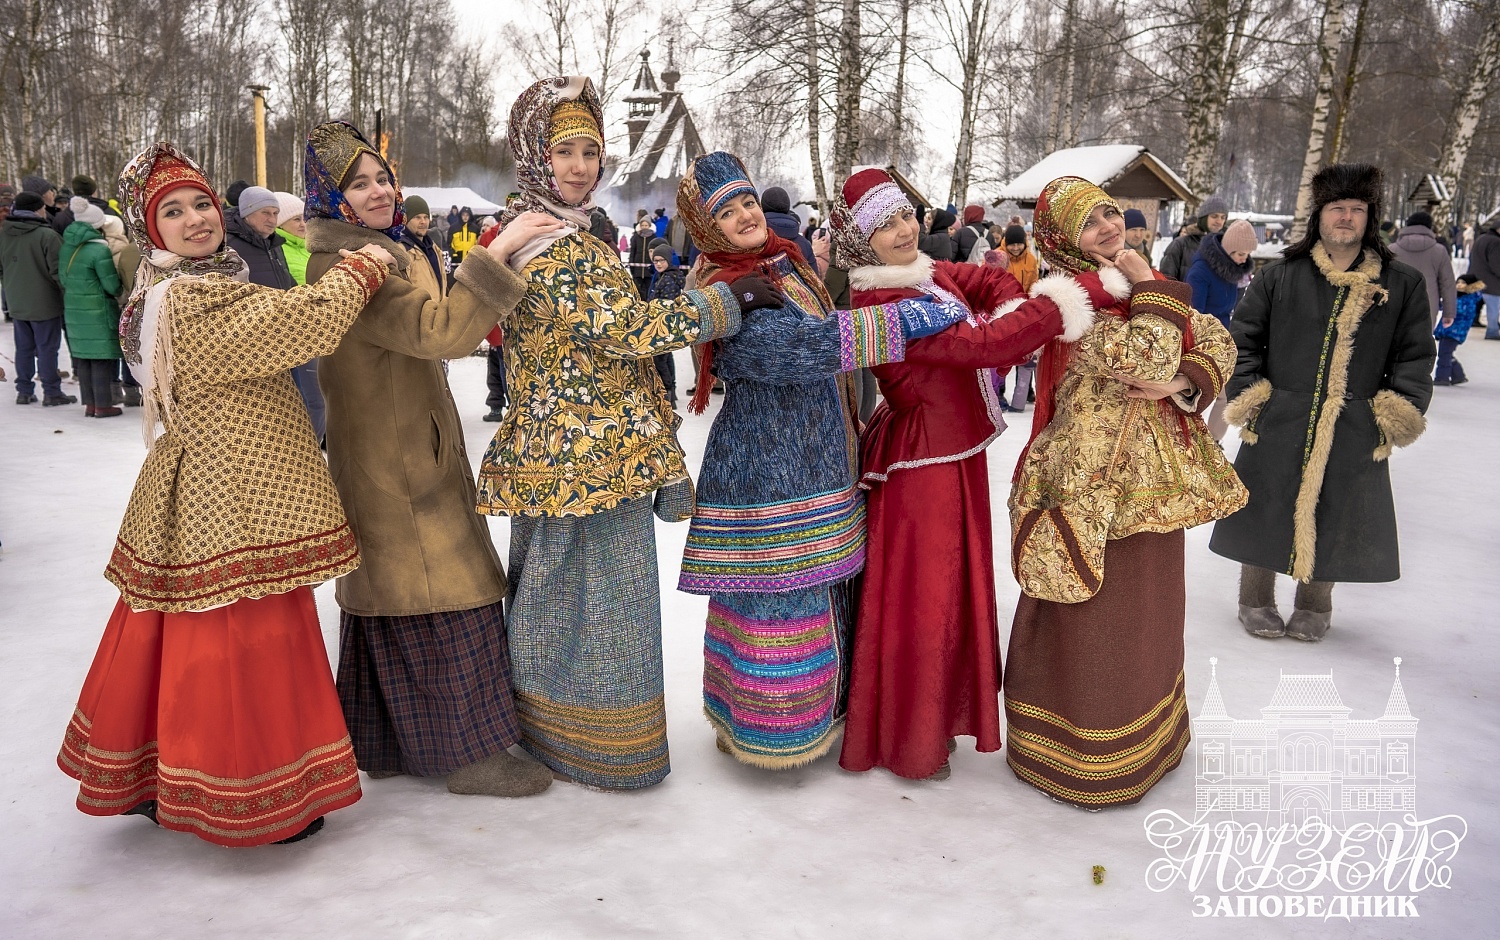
[585, 644]
[227, 718]
[1094, 695]
[776, 671]
[429, 693]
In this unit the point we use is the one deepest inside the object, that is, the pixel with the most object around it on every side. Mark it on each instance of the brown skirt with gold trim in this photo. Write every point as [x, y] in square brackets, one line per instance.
[1093, 691]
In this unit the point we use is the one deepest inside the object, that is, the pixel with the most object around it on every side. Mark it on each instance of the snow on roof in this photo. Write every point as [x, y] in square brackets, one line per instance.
[1263, 218]
[667, 147]
[1099, 165]
[439, 198]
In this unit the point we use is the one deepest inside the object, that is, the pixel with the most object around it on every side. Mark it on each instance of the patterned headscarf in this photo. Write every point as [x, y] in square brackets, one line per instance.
[146, 321]
[153, 173]
[722, 176]
[332, 150]
[712, 180]
[866, 200]
[1061, 210]
[549, 112]
[545, 104]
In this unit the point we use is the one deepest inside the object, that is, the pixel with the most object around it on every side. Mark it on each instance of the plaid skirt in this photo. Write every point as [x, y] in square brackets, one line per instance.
[585, 637]
[427, 694]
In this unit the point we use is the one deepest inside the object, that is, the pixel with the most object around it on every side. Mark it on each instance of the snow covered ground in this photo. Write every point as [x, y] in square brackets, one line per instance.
[722, 850]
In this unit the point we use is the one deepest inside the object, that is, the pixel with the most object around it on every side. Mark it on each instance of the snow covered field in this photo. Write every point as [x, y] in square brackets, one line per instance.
[722, 850]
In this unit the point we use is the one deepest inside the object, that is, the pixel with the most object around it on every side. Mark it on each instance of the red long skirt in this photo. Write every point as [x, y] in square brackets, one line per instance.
[228, 718]
[926, 645]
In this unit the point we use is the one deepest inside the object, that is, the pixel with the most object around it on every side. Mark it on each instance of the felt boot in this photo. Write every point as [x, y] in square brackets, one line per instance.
[501, 774]
[132, 396]
[1314, 613]
[311, 829]
[942, 773]
[1258, 610]
[382, 774]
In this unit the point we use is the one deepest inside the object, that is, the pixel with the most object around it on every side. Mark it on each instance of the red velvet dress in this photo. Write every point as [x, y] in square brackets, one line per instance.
[926, 660]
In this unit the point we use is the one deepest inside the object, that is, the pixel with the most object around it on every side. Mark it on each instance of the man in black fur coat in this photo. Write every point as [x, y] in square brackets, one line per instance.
[1335, 369]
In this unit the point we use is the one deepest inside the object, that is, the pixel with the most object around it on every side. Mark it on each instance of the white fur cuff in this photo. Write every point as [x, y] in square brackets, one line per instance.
[1115, 282]
[886, 276]
[1071, 299]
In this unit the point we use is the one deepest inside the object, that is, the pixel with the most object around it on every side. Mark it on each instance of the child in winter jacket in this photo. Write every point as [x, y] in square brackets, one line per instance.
[1451, 335]
[667, 282]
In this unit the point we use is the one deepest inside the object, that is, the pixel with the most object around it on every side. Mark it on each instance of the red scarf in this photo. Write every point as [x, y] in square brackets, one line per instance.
[726, 267]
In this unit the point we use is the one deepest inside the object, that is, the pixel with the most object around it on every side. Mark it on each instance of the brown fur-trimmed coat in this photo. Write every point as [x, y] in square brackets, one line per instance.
[1321, 507]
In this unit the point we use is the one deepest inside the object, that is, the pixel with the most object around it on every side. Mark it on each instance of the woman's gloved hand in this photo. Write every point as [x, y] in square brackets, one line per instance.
[756, 292]
[924, 316]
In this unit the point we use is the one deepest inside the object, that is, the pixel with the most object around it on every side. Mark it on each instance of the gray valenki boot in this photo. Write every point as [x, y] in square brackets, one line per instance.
[1258, 602]
[1314, 613]
[500, 774]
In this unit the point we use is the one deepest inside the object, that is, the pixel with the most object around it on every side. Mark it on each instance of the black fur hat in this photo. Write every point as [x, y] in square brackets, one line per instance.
[1340, 181]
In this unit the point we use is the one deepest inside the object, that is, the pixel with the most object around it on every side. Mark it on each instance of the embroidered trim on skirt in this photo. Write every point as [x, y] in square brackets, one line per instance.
[776, 670]
[228, 718]
[585, 641]
[1094, 695]
[429, 693]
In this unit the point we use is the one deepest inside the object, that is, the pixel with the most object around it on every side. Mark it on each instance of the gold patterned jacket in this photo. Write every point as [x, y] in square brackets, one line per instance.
[590, 424]
[234, 499]
[1108, 466]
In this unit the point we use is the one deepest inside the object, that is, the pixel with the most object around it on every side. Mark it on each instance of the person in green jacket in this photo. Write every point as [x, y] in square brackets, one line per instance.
[91, 315]
[293, 228]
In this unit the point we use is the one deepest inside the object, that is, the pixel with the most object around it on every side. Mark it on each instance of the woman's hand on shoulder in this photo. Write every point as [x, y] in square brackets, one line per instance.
[374, 251]
[1129, 263]
[522, 229]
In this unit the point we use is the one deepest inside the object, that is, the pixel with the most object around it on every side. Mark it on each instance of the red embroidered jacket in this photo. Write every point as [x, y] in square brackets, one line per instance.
[942, 403]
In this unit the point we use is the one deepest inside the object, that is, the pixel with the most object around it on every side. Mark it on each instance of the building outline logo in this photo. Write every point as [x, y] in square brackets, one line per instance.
[1305, 756]
[1305, 811]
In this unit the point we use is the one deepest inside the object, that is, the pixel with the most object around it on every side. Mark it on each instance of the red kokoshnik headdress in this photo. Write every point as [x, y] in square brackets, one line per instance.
[866, 201]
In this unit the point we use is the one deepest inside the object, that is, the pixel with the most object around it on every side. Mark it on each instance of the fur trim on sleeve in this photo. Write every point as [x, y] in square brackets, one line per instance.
[1115, 282]
[1071, 299]
[891, 276]
[1399, 421]
[1243, 410]
[496, 284]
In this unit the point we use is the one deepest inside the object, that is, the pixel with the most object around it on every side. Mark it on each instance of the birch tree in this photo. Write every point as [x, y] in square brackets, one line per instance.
[898, 107]
[1461, 128]
[1351, 82]
[964, 25]
[1329, 43]
[849, 92]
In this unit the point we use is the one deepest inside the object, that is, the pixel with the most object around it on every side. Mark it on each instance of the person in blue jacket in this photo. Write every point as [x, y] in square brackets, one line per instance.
[1218, 276]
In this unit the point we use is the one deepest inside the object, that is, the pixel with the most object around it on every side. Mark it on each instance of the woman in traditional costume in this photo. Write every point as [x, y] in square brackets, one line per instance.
[1119, 464]
[779, 531]
[580, 456]
[424, 666]
[926, 664]
[209, 706]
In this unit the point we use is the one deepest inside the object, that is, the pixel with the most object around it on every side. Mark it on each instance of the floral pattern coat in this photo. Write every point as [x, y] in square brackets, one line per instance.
[591, 425]
[1109, 466]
